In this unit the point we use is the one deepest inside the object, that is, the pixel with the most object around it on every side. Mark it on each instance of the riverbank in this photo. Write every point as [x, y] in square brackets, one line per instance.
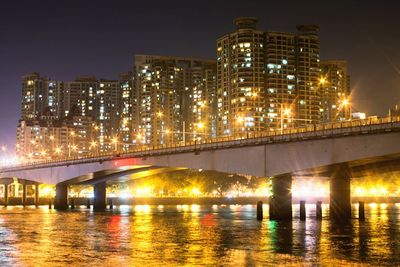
[198, 201]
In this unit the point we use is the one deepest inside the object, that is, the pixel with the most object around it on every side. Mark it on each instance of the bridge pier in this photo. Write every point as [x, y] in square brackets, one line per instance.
[36, 195]
[340, 202]
[61, 200]
[281, 199]
[23, 194]
[5, 195]
[99, 200]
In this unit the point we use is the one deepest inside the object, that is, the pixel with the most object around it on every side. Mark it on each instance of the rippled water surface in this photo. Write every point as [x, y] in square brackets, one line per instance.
[194, 235]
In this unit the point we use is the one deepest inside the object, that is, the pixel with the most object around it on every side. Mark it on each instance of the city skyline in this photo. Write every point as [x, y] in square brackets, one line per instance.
[184, 133]
[224, 22]
[259, 82]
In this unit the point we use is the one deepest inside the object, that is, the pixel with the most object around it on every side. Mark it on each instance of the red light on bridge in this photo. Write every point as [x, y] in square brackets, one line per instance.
[124, 162]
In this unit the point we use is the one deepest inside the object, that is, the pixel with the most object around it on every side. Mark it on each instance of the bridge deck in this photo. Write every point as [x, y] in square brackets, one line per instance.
[308, 133]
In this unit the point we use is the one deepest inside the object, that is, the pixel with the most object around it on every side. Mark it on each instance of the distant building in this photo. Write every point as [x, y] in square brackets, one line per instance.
[174, 99]
[335, 91]
[267, 80]
[241, 79]
[127, 108]
[395, 111]
[48, 137]
[92, 110]
[261, 81]
[40, 96]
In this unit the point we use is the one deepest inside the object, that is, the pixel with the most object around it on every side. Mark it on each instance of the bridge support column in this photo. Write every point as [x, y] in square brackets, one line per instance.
[36, 195]
[281, 199]
[99, 200]
[5, 195]
[61, 200]
[24, 194]
[340, 203]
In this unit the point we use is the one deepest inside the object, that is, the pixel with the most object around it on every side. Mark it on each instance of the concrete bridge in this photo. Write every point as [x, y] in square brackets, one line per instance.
[338, 150]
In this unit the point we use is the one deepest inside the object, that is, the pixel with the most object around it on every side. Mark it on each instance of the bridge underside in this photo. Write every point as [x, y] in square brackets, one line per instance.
[358, 168]
[10, 190]
[100, 179]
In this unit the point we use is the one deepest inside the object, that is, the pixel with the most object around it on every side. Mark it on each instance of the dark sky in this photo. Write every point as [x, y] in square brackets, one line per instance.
[65, 39]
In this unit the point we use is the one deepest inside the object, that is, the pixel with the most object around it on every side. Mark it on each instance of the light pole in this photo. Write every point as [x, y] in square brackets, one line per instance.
[344, 103]
[284, 112]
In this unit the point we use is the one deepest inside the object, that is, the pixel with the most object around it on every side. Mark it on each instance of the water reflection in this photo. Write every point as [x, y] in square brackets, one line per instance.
[194, 235]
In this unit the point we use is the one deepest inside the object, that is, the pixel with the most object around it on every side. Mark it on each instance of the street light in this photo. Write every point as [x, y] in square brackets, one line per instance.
[284, 112]
[345, 106]
[200, 126]
[58, 150]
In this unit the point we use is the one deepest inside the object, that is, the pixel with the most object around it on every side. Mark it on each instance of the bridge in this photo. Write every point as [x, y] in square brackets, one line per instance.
[340, 151]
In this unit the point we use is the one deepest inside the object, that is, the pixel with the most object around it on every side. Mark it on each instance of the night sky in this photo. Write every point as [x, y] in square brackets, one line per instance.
[65, 39]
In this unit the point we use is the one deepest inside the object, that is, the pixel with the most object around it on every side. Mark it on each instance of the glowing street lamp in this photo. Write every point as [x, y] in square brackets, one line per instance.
[285, 112]
[58, 150]
[322, 80]
[345, 107]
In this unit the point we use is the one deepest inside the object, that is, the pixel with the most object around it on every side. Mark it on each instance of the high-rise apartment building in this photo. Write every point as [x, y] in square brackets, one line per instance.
[107, 113]
[127, 106]
[280, 79]
[79, 96]
[267, 80]
[174, 99]
[241, 79]
[99, 100]
[335, 91]
[48, 137]
[91, 109]
[307, 75]
[40, 96]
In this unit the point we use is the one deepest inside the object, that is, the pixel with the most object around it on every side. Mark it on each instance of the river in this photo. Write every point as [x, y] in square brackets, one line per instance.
[209, 235]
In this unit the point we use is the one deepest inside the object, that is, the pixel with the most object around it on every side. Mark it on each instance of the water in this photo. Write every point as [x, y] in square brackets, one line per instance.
[195, 235]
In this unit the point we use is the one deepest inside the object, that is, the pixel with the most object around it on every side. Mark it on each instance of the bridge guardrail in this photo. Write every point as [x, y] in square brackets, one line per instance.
[336, 129]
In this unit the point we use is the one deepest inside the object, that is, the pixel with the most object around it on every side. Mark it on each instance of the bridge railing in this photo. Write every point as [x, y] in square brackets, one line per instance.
[326, 130]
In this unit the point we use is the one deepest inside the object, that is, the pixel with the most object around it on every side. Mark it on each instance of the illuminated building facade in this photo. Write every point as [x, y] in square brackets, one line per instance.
[107, 106]
[79, 96]
[174, 99]
[307, 75]
[93, 111]
[241, 79]
[48, 137]
[335, 91]
[127, 106]
[99, 100]
[280, 82]
[40, 96]
[267, 80]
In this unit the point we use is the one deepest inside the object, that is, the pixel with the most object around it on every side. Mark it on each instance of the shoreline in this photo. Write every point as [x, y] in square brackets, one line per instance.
[193, 200]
